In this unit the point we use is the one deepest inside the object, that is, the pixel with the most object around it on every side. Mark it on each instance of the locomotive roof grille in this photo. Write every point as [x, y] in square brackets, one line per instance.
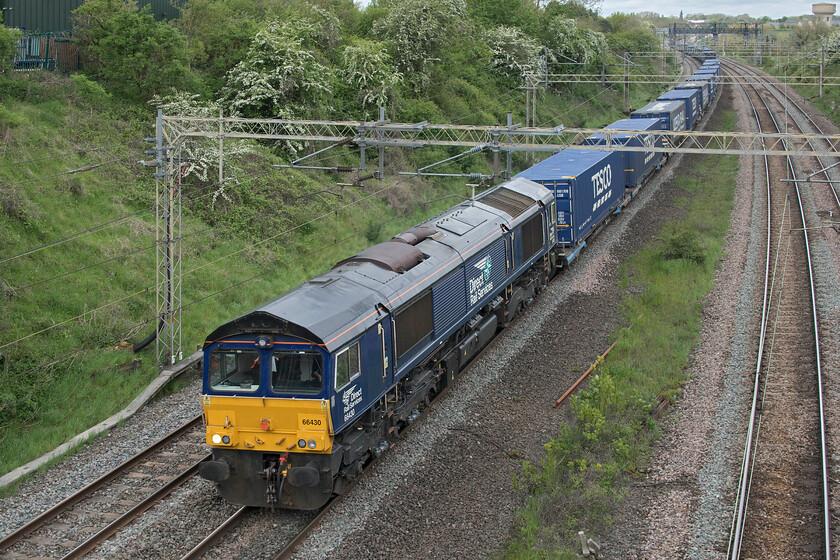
[506, 200]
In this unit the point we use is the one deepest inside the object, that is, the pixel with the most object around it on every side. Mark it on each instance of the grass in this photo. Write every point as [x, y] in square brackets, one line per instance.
[584, 472]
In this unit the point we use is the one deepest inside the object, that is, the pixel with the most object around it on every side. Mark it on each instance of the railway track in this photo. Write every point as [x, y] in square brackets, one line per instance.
[782, 508]
[80, 523]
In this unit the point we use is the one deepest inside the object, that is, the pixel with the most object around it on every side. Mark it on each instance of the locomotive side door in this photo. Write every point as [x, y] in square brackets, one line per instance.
[385, 331]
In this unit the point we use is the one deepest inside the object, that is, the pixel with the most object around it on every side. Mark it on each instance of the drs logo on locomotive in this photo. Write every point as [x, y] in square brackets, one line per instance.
[601, 182]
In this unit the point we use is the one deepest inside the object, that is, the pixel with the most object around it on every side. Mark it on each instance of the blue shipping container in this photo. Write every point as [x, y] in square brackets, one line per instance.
[637, 165]
[709, 79]
[587, 186]
[672, 114]
[702, 86]
[692, 103]
[707, 71]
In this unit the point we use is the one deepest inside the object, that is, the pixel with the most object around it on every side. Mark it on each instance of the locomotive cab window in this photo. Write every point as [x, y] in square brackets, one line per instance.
[297, 372]
[234, 370]
[347, 365]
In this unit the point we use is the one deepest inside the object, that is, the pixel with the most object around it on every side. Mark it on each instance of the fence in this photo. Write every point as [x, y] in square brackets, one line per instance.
[46, 51]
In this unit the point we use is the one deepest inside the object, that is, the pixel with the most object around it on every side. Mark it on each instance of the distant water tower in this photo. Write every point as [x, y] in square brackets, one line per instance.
[823, 12]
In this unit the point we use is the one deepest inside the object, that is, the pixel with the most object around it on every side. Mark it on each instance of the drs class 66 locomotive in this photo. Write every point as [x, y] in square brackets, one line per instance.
[301, 393]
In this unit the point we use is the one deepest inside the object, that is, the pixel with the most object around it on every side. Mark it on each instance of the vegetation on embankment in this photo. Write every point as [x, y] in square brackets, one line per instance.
[587, 465]
[78, 260]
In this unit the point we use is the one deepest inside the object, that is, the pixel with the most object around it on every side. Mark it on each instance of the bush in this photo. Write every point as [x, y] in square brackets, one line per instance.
[683, 243]
[8, 45]
[90, 91]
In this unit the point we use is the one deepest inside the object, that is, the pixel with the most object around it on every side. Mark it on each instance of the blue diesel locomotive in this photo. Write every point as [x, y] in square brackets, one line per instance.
[300, 393]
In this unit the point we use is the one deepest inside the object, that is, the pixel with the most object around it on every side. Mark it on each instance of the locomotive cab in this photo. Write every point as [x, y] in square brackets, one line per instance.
[267, 421]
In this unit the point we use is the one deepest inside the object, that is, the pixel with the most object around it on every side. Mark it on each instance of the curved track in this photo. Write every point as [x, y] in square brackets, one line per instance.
[782, 509]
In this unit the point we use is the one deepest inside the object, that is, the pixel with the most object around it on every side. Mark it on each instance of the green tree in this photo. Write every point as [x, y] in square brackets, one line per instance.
[521, 14]
[127, 50]
[217, 35]
[630, 32]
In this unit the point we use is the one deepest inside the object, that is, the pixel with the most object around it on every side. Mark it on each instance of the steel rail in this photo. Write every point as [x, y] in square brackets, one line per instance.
[213, 538]
[739, 519]
[132, 514]
[823, 446]
[823, 167]
[74, 499]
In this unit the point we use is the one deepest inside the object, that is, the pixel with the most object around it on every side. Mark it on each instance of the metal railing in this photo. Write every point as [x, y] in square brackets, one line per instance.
[46, 51]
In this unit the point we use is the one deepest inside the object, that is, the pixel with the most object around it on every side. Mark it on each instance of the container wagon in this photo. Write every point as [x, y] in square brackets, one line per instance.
[703, 86]
[588, 188]
[637, 165]
[692, 103]
[670, 113]
[707, 78]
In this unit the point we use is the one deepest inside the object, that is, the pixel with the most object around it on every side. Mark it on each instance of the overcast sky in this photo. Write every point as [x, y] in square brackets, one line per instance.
[773, 8]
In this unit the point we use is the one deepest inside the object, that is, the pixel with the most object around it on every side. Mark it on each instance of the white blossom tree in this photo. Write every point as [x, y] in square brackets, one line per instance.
[368, 68]
[568, 42]
[279, 77]
[202, 155]
[514, 53]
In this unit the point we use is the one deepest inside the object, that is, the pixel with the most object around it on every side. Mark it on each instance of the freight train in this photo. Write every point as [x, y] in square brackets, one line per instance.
[302, 392]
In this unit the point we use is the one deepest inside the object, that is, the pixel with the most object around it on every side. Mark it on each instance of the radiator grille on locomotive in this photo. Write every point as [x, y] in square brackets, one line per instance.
[506, 200]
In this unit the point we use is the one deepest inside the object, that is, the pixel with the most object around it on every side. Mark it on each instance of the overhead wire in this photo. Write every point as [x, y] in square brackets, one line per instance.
[52, 176]
[355, 233]
[285, 232]
[104, 262]
[75, 235]
[54, 156]
[145, 290]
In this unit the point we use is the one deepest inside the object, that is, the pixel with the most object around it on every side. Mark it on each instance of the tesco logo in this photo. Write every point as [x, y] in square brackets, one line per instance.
[601, 181]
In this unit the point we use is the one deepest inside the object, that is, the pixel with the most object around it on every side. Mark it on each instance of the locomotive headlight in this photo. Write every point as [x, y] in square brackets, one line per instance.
[263, 342]
[312, 444]
[301, 443]
[217, 439]
[225, 440]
